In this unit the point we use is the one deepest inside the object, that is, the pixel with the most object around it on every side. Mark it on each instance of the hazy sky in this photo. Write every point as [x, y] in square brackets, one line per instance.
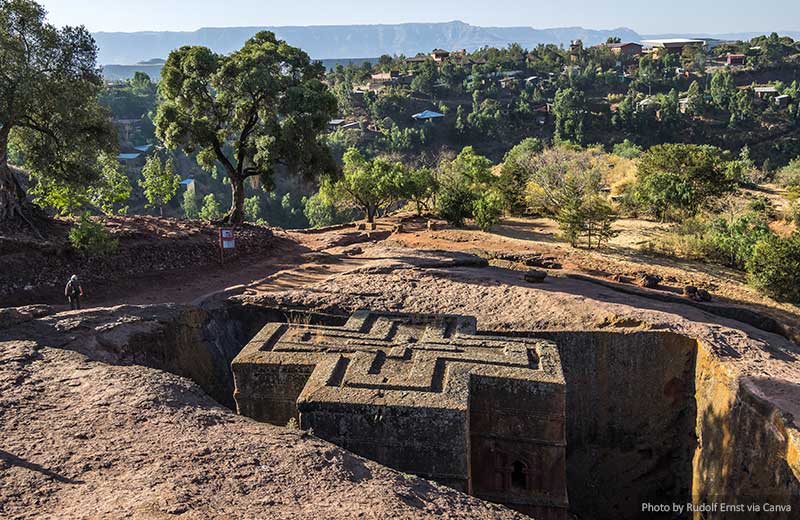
[641, 15]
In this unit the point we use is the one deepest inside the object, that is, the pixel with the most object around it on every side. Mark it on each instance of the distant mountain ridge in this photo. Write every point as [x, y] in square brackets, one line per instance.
[327, 42]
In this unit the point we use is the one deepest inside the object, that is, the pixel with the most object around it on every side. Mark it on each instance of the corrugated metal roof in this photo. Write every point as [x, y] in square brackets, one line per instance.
[427, 114]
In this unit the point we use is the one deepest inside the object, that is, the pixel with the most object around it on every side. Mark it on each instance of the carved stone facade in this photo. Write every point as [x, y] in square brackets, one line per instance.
[424, 394]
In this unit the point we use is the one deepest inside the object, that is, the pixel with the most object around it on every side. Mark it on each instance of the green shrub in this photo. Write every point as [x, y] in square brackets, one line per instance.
[210, 210]
[91, 238]
[589, 218]
[488, 209]
[733, 240]
[321, 211]
[628, 149]
[789, 176]
[252, 209]
[675, 180]
[190, 209]
[455, 203]
[689, 239]
[726, 241]
[774, 267]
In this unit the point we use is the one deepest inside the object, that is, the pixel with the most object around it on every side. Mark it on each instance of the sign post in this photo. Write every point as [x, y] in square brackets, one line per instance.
[227, 240]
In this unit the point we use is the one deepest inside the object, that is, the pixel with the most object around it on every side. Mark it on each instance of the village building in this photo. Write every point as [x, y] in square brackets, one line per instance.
[671, 45]
[440, 55]
[427, 115]
[765, 91]
[416, 60]
[783, 100]
[341, 124]
[424, 394]
[625, 50]
[735, 59]
[132, 161]
[386, 77]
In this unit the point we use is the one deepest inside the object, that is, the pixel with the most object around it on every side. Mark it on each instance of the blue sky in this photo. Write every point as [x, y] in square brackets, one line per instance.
[641, 15]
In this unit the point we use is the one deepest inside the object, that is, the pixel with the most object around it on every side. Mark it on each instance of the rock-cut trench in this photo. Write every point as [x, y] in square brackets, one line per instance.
[651, 416]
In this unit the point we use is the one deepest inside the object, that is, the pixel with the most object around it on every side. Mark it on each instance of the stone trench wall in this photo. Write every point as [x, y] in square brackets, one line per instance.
[653, 417]
[200, 344]
[630, 419]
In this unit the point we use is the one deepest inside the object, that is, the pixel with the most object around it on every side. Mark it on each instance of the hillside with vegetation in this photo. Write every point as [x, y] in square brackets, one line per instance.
[703, 142]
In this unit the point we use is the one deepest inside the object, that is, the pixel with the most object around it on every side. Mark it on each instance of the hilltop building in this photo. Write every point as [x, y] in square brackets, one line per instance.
[671, 45]
[625, 49]
[440, 55]
[735, 59]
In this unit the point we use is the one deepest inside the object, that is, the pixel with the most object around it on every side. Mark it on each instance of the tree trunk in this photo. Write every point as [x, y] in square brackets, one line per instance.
[236, 214]
[371, 214]
[12, 197]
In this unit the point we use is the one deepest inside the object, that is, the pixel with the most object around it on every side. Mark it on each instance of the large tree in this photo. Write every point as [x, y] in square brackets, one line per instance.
[49, 114]
[260, 107]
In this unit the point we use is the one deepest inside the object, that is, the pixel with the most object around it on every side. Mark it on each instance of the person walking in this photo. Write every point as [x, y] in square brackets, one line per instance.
[74, 291]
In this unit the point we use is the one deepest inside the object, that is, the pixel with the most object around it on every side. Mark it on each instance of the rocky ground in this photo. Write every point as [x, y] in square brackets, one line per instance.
[395, 278]
[81, 438]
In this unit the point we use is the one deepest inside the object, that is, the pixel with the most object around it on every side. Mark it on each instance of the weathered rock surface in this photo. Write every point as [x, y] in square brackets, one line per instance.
[535, 276]
[88, 434]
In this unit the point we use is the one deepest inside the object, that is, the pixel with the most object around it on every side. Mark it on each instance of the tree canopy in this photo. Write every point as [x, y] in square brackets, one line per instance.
[49, 84]
[681, 177]
[570, 112]
[160, 182]
[369, 185]
[259, 108]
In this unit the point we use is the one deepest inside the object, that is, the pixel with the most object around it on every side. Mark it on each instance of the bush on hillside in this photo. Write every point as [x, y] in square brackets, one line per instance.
[91, 238]
[676, 180]
[488, 210]
[455, 203]
[733, 240]
[789, 177]
[727, 241]
[774, 267]
[210, 210]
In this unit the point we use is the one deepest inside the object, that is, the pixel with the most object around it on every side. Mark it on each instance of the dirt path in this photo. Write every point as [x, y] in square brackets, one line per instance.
[192, 284]
[299, 261]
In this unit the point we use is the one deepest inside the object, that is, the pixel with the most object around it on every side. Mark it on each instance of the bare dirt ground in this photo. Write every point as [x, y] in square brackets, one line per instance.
[158, 261]
[190, 270]
[622, 258]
